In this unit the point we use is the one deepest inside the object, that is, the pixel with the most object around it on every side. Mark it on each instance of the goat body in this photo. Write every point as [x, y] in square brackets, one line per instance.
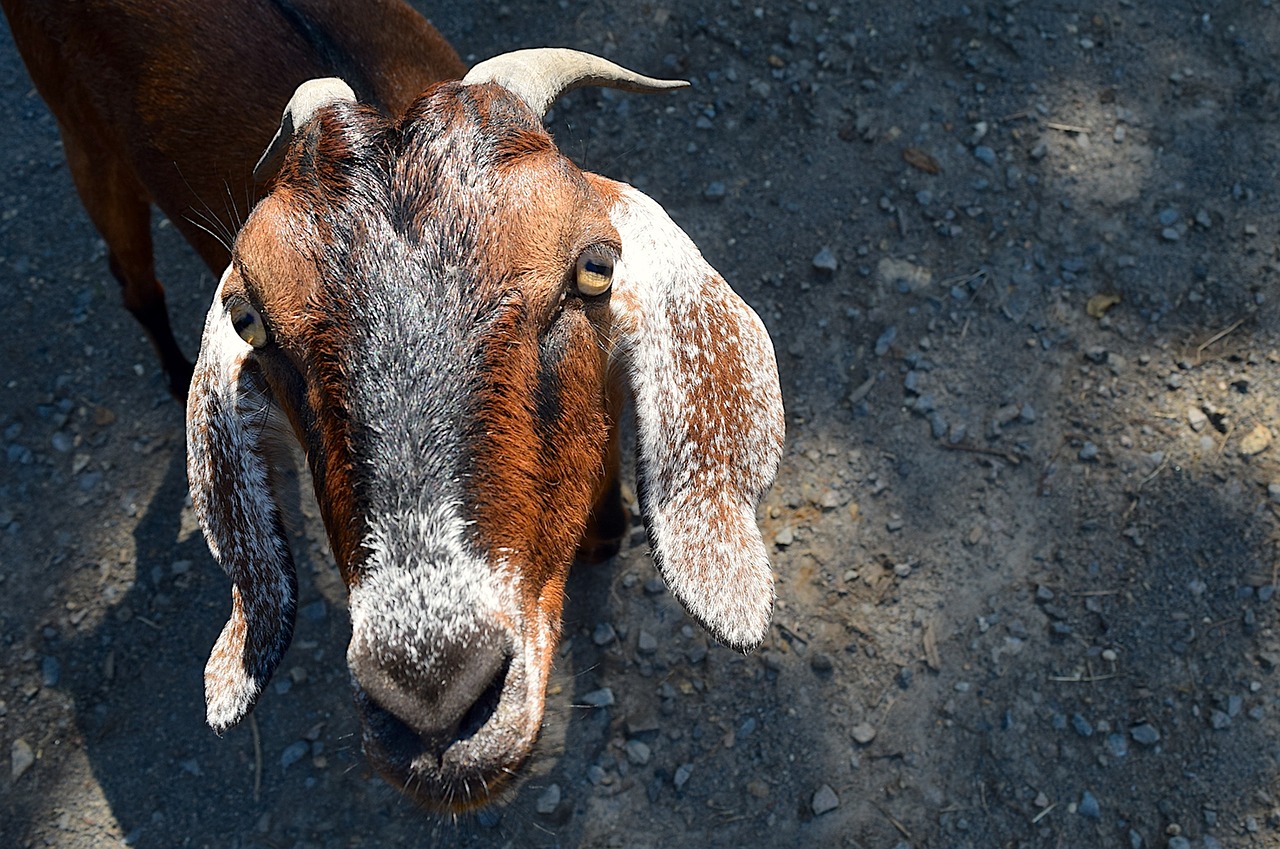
[170, 102]
[448, 315]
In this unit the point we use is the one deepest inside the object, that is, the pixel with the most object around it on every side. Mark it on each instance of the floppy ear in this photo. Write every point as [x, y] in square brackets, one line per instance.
[232, 424]
[709, 418]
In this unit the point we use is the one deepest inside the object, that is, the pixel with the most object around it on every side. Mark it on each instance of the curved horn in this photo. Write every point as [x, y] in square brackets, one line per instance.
[308, 99]
[540, 75]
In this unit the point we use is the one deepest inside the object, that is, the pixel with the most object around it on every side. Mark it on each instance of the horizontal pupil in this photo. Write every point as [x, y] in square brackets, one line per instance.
[598, 268]
[244, 321]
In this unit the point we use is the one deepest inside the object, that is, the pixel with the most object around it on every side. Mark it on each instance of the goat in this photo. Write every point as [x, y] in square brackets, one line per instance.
[447, 315]
[171, 101]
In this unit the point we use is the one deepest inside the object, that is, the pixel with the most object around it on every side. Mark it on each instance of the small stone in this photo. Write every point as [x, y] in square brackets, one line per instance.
[885, 340]
[646, 643]
[1170, 234]
[1255, 441]
[825, 260]
[1168, 217]
[863, 733]
[50, 671]
[821, 663]
[180, 567]
[598, 698]
[548, 800]
[604, 634]
[191, 766]
[784, 537]
[902, 570]
[1081, 725]
[715, 190]
[638, 752]
[293, 753]
[1219, 720]
[1197, 419]
[1089, 806]
[758, 789]
[1116, 745]
[681, 778]
[985, 155]
[1088, 452]
[1145, 734]
[1273, 492]
[21, 758]
[825, 800]
[1203, 219]
[1179, 842]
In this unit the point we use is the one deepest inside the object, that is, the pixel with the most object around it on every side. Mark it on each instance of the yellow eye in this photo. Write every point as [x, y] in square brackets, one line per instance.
[594, 274]
[248, 323]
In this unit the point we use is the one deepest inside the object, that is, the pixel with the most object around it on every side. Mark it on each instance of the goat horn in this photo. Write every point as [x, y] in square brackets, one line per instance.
[540, 75]
[308, 99]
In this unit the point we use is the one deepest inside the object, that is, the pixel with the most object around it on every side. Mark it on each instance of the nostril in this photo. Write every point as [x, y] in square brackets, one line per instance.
[484, 708]
[443, 690]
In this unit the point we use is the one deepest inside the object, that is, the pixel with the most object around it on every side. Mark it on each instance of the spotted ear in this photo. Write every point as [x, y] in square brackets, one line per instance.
[233, 428]
[709, 418]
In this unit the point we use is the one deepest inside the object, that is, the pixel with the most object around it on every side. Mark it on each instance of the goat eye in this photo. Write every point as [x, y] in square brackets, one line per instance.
[248, 323]
[594, 274]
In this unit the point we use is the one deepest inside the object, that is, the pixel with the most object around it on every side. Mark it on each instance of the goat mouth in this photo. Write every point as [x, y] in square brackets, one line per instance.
[471, 764]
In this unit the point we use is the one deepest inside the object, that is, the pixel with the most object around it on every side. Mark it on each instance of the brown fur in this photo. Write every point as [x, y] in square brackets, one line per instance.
[170, 102]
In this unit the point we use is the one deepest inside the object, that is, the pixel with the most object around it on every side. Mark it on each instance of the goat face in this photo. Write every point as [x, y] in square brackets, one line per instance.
[433, 308]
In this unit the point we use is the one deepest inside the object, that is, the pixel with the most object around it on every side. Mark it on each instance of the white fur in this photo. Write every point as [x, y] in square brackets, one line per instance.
[709, 419]
[397, 601]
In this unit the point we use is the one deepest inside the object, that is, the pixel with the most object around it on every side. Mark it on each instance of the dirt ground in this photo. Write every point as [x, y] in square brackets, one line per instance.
[1019, 262]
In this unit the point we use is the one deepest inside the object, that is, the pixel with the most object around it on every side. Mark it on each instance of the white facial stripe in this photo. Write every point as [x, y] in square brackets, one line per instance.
[441, 593]
[709, 419]
[230, 421]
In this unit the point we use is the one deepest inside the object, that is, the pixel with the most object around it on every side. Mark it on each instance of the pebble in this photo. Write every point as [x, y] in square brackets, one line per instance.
[1179, 842]
[1197, 419]
[1089, 806]
[824, 800]
[638, 752]
[1082, 726]
[821, 663]
[715, 190]
[1273, 492]
[1255, 441]
[885, 340]
[50, 671]
[604, 634]
[293, 753]
[825, 260]
[21, 757]
[1116, 745]
[681, 778]
[863, 733]
[1145, 734]
[548, 800]
[598, 698]
[985, 155]
[646, 643]
[1088, 452]
[784, 537]
[1169, 217]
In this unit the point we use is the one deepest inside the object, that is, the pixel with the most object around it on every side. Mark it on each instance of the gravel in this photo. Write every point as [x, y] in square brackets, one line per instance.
[824, 800]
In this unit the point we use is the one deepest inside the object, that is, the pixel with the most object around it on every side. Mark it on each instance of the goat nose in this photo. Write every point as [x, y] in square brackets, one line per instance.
[443, 688]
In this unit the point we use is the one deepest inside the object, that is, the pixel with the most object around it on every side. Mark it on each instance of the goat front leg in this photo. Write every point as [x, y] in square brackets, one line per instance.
[120, 209]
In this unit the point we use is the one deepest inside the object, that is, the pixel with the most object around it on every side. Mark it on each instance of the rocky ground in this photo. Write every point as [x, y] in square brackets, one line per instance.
[1019, 261]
